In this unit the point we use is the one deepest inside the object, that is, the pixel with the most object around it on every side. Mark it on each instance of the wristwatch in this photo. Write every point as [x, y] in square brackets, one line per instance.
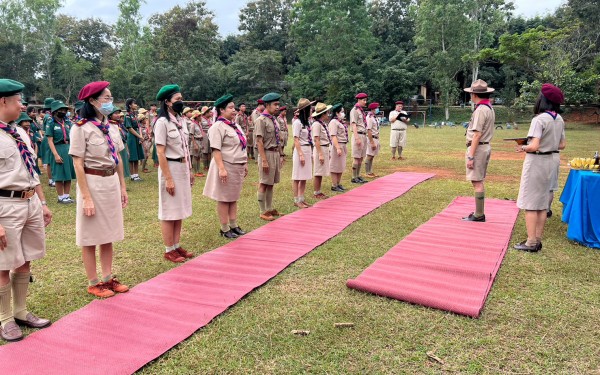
[44, 203]
[470, 158]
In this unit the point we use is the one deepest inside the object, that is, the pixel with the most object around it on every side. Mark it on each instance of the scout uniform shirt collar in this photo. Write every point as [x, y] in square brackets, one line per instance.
[275, 124]
[24, 151]
[177, 121]
[237, 130]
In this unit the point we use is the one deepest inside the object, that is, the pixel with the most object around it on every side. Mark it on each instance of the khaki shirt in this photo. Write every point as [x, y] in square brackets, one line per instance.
[550, 131]
[13, 172]
[265, 128]
[482, 121]
[301, 132]
[373, 125]
[196, 131]
[242, 121]
[339, 130]
[88, 142]
[166, 133]
[254, 116]
[224, 138]
[320, 130]
[357, 117]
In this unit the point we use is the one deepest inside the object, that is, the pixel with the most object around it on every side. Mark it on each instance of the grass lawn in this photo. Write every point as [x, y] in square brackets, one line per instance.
[542, 315]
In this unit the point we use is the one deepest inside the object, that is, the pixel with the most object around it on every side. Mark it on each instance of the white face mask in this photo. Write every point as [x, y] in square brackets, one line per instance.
[342, 115]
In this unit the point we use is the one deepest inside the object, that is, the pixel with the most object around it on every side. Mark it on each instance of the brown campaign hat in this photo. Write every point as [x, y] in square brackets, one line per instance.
[479, 87]
[303, 103]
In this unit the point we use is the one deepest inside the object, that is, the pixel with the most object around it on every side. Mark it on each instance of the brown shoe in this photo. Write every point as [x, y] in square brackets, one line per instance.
[11, 332]
[371, 175]
[393, 158]
[299, 205]
[275, 213]
[100, 290]
[33, 321]
[321, 196]
[184, 253]
[306, 205]
[267, 216]
[199, 174]
[174, 256]
[116, 286]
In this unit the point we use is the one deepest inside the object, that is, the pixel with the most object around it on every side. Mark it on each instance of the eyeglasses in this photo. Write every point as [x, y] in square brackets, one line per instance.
[109, 98]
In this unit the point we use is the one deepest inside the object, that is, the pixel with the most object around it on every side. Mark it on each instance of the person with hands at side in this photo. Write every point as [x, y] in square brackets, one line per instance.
[339, 138]
[57, 131]
[302, 153]
[322, 142]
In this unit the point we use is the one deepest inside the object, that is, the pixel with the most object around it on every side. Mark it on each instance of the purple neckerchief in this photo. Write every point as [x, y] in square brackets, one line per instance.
[553, 114]
[22, 146]
[237, 130]
[326, 130]
[111, 146]
[272, 118]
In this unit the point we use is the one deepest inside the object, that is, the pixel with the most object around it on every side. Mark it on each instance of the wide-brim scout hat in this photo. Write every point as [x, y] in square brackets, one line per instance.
[303, 103]
[91, 89]
[142, 111]
[56, 105]
[196, 113]
[271, 97]
[48, 103]
[374, 105]
[186, 110]
[223, 101]
[167, 91]
[553, 93]
[141, 117]
[361, 95]
[204, 110]
[23, 117]
[336, 107]
[479, 87]
[9, 87]
[320, 109]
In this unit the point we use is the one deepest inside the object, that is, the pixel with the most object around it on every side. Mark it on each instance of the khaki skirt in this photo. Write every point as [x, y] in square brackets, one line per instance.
[229, 191]
[106, 226]
[178, 206]
[337, 164]
[370, 150]
[321, 169]
[555, 172]
[302, 172]
[535, 182]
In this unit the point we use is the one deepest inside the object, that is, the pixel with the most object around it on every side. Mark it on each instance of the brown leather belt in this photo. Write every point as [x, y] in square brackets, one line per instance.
[24, 194]
[481, 143]
[272, 149]
[99, 172]
[327, 145]
[363, 133]
[543, 153]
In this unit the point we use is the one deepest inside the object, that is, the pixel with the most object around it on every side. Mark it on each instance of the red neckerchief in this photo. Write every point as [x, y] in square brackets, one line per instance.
[361, 110]
[485, 102]
[237, 130]
[553, 114]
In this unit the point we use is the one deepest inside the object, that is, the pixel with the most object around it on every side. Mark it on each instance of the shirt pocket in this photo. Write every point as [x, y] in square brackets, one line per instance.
[97, 145]
[8, 158]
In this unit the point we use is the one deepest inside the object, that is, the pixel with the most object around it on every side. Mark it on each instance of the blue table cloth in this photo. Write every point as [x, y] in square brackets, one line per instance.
[581, 210]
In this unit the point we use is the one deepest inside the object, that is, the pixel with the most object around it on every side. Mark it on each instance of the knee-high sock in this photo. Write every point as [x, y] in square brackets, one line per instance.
[399, 151]
[20, 284]
[354, 170]
[261, 202]
[479, 203]
[6, 314]
[369, 164]
[269, 199]
[394, 151]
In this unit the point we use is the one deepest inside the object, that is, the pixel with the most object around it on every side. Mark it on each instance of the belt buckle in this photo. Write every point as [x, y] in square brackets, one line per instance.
[27, 194]
[108, 172]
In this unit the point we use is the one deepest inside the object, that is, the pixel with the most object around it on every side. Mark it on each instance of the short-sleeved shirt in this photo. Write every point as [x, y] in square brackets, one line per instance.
[339, 130]
[13, 172]
[482, 121]
[196, 130]
[357, 117]
[397, 123]
[131, 122]
[168, 134]
[549, 130]
[35, 129]
[242, 121]
[301, 132]
[58, 131]
[373, 125]
[318, 129]
[205, 123]
[223, 137]
[254, 116]
[282, 124]
[265, 128]
[88, 142]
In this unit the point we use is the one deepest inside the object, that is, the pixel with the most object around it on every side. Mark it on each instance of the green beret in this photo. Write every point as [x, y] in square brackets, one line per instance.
[79, 104]
[56, 105]
[336, 107]
[115, 109]
[223, 101]
[271, 97]
[48, 103]
[167, 91]
[23, 101]
[9, 87]
[23, 117]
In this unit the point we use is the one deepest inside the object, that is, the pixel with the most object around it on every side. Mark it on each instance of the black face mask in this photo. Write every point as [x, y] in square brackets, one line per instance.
[61, 114]
[178, 107]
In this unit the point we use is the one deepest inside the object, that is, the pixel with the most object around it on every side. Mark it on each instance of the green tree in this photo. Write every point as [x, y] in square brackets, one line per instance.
[246, 73]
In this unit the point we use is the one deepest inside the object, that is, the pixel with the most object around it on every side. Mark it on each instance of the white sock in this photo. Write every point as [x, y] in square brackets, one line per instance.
[296, 199]
[169, 248]
[50, 181]
[176, 246]
[318, 192]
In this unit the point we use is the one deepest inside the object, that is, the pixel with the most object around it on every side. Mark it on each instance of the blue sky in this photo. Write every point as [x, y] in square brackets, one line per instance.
[227, 11]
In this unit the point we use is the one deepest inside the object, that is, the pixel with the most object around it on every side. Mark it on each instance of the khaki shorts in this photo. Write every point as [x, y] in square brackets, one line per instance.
[23, 222]
[274, 168]
[359, 152]
[480, 163]
[372, 152]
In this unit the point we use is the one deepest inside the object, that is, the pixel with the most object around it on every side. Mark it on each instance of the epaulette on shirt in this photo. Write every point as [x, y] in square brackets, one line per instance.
[81, 122]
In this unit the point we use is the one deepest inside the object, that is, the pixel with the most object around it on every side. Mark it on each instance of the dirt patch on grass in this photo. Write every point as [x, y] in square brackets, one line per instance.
[496, 155]
[453, 175]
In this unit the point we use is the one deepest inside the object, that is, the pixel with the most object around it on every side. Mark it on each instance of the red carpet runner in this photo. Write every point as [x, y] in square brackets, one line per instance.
[446, 263]
[123, 333]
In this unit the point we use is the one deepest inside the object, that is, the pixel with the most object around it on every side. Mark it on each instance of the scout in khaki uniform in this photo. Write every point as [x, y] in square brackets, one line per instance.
[270, 155]
[302, 154]
[244, 122]
[545, 138]
[399, 123]
[260, 108]
[322, 142]
[175, 177]
[205, 122]
[101, 196]
[373, 144]
[358, 122]
[58, 128]
[45, 152]
[339, 138]
[228, 167]
[116, 120]
[479, 136]
[282, 119]
[134, 138]
[187, 117]
[196, 137]
[24, 215]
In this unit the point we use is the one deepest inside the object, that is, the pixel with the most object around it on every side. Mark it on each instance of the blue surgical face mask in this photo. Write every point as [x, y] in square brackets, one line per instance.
[106, 108]
[68, 114]
[376, 111]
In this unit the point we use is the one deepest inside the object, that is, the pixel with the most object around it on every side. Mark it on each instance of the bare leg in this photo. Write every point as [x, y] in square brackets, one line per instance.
[177, 225]
[106, 259]
[317, 183]
[60, 188]
[166, 227]
[88, 255]
[67, 187]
